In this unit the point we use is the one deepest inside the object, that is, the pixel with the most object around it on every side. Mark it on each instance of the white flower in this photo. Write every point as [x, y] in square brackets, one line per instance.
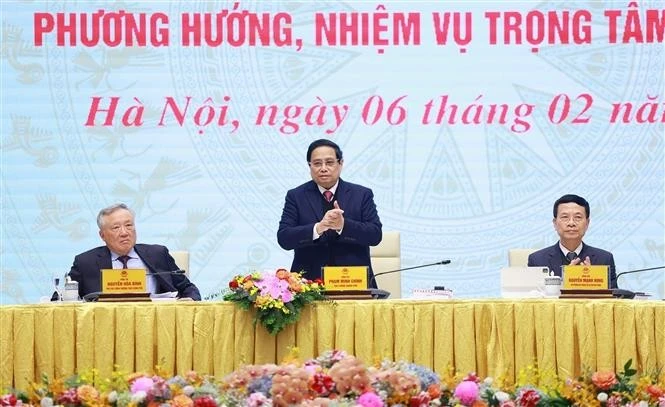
[488, 381]
[602, 397]
[113, 397]
[188, 390]
[643, 404]
[139, 396]
[46, 402]
[501, 396]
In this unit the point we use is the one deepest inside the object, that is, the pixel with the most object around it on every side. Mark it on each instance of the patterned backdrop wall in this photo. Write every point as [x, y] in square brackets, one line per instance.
[465, 192]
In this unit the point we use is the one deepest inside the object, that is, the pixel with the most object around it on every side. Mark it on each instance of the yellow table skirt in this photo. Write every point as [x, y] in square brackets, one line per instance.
[490, 337]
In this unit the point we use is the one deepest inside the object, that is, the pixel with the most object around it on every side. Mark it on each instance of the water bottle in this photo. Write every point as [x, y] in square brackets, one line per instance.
[71, 292]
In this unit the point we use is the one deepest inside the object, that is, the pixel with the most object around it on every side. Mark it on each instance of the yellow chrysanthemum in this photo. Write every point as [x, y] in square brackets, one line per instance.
[262, 301]
[56, 386]
[449, 379]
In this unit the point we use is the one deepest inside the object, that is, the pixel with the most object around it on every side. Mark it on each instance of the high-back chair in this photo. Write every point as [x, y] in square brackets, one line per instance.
[181, 258]
[519, 257]
[386, 256]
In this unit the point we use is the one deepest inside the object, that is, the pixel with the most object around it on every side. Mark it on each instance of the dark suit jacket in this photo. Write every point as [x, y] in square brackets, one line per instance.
[304, 206]
[552, 257]
[87, 266]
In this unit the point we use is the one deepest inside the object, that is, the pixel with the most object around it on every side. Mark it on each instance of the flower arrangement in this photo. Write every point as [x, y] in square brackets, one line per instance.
[278, 297]
[339, 379]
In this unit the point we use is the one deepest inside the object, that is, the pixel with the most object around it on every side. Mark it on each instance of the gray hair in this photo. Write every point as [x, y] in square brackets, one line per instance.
[109, 210]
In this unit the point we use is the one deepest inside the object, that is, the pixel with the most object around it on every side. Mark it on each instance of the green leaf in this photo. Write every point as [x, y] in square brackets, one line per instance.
[626, 367]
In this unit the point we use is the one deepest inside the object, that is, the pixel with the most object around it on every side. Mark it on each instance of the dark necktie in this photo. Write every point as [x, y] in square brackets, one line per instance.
[328, 195]
[124, 259]
[571, 256]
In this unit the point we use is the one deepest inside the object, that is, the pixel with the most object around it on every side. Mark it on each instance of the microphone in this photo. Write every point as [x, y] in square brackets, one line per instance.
[442, 262]
[622, 293]
[178, 271]
[381, 294]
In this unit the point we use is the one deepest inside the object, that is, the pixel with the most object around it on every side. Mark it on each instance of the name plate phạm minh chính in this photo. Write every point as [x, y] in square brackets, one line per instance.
[344, 278]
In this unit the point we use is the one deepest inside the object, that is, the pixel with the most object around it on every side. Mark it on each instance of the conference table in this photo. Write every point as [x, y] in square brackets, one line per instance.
[492, 337]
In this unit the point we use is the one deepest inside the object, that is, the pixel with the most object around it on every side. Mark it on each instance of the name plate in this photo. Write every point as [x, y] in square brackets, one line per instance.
[583, 277]
[343, 278]
[123, 281]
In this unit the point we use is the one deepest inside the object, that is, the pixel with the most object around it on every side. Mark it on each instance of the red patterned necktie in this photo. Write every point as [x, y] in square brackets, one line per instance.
[328, 195]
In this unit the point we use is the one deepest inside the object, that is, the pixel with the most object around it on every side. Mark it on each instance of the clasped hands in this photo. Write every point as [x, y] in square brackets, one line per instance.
[578, 261]
[333, 219]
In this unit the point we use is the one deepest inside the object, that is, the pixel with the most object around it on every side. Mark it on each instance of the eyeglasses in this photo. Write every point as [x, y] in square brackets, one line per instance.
[319, 164]
[118, 228]
[577, 219]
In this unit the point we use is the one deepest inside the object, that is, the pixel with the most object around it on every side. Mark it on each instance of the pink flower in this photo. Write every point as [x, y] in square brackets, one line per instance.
[257, 399]
[467, 392]
[69, 396]
[311, 368]
[142, 384]
[614, 401]
[276, 288]
[370, 399]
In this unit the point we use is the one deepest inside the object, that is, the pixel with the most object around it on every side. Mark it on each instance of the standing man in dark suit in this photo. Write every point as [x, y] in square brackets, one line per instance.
[328, 221]
[571, 221]
[117, 230]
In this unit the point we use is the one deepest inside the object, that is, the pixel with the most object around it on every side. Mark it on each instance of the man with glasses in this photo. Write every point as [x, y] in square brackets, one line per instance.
[571, 221]
[118, 231]
[328, 221]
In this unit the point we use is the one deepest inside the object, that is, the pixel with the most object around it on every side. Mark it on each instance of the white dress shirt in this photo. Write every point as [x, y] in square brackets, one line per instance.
[135, 262]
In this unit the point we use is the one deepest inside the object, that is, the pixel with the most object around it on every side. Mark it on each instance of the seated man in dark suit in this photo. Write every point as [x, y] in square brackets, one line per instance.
[571, 220]
[328, 221]
[117, 230]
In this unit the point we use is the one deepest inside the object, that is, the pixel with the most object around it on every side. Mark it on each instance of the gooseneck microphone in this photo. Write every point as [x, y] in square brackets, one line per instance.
[384, 294]
[639, 271]
[178, 271]
[442, 262]
[622, 293]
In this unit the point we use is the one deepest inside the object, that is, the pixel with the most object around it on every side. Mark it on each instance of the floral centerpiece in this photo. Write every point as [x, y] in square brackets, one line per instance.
[339, 379]
[278, 296]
